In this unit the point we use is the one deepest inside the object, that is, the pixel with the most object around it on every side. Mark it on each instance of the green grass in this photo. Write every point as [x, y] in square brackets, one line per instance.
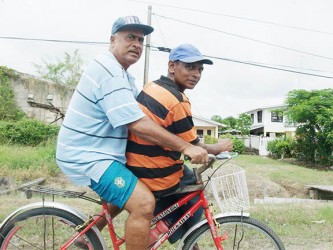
[21, 163]
[300, 225]
[284, 173]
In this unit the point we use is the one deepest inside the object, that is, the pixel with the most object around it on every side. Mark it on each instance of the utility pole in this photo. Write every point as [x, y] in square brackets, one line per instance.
[147, 52]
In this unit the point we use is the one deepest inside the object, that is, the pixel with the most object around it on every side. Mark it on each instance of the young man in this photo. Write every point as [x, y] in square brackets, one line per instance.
[164, 101]
[93, 137]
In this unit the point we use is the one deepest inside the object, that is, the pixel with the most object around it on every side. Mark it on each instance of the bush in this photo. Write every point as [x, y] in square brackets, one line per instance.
[26, 132]
[280, 148]
[210, 139]
[238, 145]
[8, 107]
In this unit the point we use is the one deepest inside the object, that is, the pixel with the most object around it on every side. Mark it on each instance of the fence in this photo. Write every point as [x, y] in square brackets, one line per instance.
[259, 143]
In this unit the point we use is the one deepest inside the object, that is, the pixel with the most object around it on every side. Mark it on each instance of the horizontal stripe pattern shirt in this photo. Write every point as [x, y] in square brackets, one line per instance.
[161, 168]
[94, 132]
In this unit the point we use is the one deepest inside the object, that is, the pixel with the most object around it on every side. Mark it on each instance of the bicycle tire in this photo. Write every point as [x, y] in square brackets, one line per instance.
[44, 228]
[256, 235]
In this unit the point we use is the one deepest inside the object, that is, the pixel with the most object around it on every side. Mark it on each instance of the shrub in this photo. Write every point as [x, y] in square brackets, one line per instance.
[281, 147]
[238, 145]
[8, 107]
[210, 139]
[26, 132]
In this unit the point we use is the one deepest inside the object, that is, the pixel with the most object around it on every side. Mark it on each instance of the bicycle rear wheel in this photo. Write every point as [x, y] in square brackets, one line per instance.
[44, 228]
[241, 232]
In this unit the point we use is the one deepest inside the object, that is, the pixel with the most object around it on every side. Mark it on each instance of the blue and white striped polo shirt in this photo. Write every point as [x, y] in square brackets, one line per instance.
[94, 131]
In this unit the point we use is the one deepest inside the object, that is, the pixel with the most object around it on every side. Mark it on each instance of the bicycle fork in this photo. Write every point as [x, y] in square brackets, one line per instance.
[213, 224]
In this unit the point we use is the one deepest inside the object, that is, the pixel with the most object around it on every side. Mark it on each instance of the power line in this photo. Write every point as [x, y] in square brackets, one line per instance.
[270, 67]
[237, 17]
[164, 49]
[51, 40]
[252, 64]
[244, 37]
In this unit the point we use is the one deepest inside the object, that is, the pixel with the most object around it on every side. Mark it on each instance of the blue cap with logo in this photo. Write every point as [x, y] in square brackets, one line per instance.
[187, 53]
[131, 22]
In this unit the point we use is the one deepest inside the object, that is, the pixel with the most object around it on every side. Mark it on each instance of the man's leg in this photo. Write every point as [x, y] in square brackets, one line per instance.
[140, 207]
[114, 211]
[122, 189]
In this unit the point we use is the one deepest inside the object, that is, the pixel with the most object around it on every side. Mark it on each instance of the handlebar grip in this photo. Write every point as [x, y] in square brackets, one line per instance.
[199, 171]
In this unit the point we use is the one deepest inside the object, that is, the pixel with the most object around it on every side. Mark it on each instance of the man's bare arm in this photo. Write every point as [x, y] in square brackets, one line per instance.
[221, 146]
[148, 130]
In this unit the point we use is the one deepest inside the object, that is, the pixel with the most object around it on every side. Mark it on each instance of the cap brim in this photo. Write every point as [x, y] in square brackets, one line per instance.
[194, 59]
[145, 28]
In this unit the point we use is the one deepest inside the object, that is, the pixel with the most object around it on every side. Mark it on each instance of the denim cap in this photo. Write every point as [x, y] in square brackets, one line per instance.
[130, 22]
[187, 53]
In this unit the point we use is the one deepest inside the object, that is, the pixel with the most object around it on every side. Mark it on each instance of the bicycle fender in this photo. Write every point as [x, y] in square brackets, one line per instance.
[57, 205]
[200, 223]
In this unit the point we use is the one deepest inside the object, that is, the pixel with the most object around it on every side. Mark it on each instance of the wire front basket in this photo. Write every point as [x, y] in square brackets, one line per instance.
[229, 188]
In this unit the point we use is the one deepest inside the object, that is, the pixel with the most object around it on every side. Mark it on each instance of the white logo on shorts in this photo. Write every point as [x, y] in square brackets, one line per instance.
[119, 182]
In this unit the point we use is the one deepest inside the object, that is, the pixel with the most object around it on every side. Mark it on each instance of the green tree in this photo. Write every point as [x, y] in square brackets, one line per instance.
[230, 121]
[66, 71]
[8, 107]
[217, 118]
[244, 123]
[313, 110]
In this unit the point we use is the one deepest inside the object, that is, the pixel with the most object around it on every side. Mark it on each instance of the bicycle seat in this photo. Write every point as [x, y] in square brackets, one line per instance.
[186, 189]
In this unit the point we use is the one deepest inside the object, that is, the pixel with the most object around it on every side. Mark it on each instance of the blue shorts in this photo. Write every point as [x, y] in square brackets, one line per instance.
[116, 184]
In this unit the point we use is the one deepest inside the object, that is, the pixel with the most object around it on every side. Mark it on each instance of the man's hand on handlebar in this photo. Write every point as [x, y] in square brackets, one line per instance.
[225, 145]
[198, 155]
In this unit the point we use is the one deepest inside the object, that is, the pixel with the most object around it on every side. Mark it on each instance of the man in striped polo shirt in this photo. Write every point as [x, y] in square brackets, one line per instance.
[93, 137]
[163, 100]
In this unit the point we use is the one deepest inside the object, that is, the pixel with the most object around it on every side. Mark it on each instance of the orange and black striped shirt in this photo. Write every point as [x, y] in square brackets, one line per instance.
[161, 168]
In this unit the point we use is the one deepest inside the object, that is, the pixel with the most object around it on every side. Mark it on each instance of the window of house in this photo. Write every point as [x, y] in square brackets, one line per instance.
[209, 132]
[200, 132]
[277, 116]
[252, 118]
[259, 115]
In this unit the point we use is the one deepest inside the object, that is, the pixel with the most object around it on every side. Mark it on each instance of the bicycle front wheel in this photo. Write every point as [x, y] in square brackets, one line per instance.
[45, 228]
[240, 233]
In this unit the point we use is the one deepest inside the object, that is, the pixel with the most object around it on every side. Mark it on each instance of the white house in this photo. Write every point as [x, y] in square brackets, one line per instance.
[206, 127]
[270, 121]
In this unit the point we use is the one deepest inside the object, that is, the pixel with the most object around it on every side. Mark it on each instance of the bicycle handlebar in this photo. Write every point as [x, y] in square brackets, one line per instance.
[212, 158]
[200, 170]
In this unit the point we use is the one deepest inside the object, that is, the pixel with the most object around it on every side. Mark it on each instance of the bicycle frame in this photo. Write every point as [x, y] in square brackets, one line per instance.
[92, 222]
[202, 202]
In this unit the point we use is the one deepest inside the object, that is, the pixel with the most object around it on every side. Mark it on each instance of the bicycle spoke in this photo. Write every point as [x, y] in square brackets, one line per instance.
[245, 233]
[43, 228]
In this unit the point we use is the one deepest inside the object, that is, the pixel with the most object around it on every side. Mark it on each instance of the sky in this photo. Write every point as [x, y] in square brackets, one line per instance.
[239, 35]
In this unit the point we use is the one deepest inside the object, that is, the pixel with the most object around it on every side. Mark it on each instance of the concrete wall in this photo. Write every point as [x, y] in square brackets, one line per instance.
[29, 88]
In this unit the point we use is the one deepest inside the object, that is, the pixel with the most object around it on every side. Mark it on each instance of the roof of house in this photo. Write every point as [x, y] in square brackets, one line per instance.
[267, 107]
[208, 121]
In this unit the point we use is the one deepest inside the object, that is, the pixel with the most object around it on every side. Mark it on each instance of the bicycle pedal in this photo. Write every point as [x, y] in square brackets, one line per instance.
[216, 223]
[28, 193]
[86, 223]
[224, 237]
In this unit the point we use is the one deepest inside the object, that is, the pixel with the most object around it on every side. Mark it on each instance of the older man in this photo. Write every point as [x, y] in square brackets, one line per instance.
[93, 137]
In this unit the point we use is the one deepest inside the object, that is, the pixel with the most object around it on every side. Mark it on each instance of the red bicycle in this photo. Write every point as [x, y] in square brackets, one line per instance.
[53, 225]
